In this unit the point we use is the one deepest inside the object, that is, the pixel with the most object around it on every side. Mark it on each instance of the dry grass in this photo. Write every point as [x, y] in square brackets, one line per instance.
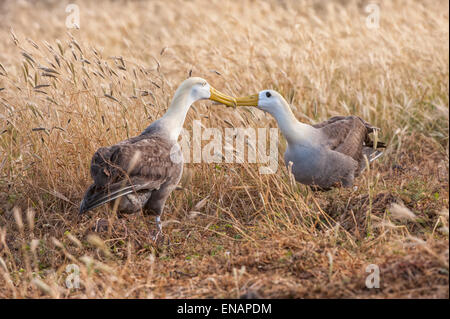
[64, 94]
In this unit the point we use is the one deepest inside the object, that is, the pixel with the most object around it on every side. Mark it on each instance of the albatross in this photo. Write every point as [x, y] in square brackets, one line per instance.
[324, 155]
[141, 172]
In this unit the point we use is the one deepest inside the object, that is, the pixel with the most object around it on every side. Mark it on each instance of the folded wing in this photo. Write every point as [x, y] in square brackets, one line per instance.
[348, 135]
[132, 166]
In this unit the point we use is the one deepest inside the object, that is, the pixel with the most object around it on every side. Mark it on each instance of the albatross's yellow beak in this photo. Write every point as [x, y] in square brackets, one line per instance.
[222, 98]
[251, 100]
[217, 96]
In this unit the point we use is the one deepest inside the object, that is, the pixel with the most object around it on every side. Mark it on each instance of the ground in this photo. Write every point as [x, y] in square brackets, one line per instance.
[230, 231]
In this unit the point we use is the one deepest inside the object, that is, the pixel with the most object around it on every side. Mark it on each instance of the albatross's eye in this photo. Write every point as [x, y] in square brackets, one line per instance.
[268, 94]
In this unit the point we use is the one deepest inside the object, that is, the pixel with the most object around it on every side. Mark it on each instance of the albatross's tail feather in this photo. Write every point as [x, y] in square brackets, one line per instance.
[370, 144]
[375, 155]
[371, 155]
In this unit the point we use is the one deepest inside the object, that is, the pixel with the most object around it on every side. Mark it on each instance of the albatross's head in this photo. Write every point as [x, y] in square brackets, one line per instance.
[191, 90]
[269, 101]
[199, 89]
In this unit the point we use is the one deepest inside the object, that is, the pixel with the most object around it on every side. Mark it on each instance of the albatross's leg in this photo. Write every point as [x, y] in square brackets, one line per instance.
[158, 227]
[158, 224]
[159, 237]
[155, 206]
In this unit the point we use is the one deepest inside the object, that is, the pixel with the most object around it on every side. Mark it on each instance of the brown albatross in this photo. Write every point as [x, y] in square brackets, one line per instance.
[142, 171]
[324, 155]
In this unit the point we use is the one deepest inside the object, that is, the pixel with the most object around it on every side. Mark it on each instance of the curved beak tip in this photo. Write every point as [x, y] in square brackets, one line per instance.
[229, 101]
[222, 98]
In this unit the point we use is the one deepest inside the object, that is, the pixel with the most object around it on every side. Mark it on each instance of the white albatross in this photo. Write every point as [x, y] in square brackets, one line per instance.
[324, 155]
[142, 171]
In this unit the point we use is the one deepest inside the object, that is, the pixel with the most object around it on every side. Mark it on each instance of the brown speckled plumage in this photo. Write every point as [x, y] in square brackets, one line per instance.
[139, 174]
[350, 135]
[140, 171]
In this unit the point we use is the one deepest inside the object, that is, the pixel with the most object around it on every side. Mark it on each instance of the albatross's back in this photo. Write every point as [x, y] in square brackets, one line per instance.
[350, 135]
[337, 157]
[141, 171]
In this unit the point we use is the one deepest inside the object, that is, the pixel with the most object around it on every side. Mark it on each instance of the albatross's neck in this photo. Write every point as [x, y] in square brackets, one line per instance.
[175, 115]
[294, 131]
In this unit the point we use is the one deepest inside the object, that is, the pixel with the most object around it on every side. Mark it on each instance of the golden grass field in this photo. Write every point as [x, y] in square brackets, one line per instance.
[233, 232]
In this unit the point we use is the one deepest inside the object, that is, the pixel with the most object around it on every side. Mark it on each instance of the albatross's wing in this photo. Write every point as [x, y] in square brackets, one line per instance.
[130, 166]
[348, 135]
